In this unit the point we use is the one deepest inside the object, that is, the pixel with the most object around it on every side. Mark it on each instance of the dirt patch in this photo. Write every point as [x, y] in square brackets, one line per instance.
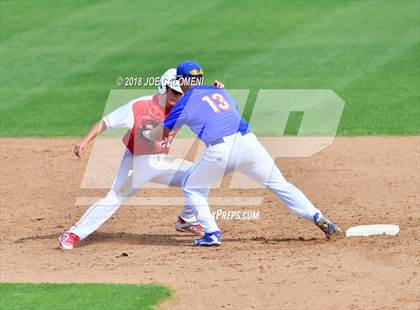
[277, 262]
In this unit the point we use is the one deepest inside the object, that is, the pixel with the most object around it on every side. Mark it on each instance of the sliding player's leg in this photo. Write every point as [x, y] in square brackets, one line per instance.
[174, 172]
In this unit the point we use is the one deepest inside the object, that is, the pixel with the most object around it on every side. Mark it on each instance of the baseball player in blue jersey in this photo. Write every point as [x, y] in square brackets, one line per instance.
[212, 114]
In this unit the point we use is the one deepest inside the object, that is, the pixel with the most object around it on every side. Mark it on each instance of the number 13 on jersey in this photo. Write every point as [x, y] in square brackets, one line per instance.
[217, 102]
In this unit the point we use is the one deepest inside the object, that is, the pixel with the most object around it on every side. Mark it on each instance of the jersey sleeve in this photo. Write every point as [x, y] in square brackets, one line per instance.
[178, 115]
[120, 118]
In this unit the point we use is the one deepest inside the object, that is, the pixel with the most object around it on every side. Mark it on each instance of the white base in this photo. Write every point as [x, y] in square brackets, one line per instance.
[369, 230]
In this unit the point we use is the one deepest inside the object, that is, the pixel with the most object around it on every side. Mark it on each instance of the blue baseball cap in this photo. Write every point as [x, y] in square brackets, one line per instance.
[188, 69]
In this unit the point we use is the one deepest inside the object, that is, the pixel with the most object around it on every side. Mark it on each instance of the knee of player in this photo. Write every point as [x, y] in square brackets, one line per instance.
[187, 190]
[116, 196]
[192, 190]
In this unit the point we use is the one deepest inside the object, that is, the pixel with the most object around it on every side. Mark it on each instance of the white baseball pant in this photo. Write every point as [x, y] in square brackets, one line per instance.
[245, 154]
[134, 171]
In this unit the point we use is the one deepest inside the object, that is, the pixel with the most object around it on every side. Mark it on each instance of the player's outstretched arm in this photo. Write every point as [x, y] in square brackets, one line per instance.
[81, 147]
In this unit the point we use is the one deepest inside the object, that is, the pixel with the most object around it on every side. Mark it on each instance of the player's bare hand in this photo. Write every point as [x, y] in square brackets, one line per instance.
[218, 84]
[80, 149]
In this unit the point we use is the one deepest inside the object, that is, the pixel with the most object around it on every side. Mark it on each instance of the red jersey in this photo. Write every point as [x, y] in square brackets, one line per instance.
[147, 111]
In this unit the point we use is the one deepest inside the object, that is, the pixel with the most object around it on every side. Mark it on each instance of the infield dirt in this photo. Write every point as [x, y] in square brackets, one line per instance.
[276, 262]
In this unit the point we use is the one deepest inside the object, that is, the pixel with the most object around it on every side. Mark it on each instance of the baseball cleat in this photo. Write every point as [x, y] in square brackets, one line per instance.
[193, 228]
[209, 239]
[328, 227]
[67, 240]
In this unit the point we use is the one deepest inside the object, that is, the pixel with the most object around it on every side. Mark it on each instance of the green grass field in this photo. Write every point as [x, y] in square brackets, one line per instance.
[59, 60]
[81, 296]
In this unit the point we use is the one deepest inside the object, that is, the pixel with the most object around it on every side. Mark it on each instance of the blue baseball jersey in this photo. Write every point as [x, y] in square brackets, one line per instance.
[210, 112]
